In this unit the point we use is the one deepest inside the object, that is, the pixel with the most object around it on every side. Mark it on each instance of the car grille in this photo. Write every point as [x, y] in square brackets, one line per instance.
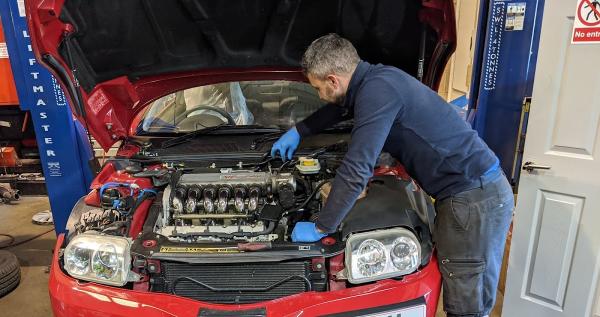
[238, 283]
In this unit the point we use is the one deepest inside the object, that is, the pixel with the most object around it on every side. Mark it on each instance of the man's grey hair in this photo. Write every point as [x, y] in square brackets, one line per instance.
[329, 54]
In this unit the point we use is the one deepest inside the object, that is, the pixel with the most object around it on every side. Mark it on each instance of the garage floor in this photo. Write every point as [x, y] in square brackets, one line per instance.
[496, 312]
[30, 298]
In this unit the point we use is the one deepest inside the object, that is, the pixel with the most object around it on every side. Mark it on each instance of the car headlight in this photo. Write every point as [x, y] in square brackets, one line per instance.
[381, 254]
[99, 258]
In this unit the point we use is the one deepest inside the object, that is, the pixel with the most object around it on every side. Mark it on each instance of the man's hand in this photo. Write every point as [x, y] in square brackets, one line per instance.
[286, 145]
[306, 232]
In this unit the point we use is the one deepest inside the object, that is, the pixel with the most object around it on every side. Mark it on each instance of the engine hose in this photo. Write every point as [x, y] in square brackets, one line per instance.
[144, 194]
[112, 184]
[305, 202]
[303, 181]
[291, 162]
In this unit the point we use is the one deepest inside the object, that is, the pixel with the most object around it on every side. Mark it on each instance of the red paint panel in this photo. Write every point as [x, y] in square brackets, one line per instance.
[70, 298]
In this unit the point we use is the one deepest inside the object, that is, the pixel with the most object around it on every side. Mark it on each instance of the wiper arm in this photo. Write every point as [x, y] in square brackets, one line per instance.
[190, 135]
[266, 138]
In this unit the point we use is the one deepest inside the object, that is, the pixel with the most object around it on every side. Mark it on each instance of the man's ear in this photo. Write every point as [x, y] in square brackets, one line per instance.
[333, 80]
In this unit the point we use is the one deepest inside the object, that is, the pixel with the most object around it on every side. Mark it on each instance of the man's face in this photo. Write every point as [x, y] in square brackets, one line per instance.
[330, 88]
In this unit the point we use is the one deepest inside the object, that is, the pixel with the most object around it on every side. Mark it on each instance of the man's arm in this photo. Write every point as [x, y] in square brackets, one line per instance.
[323, 118]
[377, 106]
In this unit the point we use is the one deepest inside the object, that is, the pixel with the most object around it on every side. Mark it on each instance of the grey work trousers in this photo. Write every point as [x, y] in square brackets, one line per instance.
[470, 234]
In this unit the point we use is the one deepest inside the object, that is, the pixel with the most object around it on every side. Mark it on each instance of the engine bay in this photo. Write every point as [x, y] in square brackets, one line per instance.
[246, 202]
[240, 201]
[182, 224]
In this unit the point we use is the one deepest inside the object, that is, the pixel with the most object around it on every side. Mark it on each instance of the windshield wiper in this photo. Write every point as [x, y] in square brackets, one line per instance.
[266, 138]
[190, 135]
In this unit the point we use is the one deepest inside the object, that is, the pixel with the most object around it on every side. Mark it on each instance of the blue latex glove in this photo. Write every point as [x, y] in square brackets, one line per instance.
[286, 145]
[306, 232]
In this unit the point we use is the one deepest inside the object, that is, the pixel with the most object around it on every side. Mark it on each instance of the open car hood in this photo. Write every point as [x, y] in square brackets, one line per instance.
[113, 57]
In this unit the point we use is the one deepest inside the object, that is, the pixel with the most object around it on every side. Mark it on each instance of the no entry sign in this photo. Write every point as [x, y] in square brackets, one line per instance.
[586, 27]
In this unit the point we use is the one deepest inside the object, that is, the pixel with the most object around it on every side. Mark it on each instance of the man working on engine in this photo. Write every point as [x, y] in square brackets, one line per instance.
[394, 112]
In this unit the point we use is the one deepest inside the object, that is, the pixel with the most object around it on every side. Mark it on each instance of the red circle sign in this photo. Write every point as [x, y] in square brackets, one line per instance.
[592, 12]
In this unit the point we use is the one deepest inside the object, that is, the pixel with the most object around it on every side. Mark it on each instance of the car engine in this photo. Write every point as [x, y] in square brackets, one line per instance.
[230, 204]
[187, 203]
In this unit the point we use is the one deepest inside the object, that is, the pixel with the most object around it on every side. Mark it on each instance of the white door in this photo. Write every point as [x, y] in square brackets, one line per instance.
[554, 258]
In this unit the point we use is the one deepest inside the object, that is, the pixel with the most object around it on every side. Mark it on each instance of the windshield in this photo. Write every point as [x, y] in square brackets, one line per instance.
[268, 103]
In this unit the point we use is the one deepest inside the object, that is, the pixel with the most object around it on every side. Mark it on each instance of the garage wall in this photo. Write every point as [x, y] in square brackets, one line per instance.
[457, 76]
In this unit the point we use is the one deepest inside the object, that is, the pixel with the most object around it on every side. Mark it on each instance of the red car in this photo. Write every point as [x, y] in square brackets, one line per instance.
[193, 217]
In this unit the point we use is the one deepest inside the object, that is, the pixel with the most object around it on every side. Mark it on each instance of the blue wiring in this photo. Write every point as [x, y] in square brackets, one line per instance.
[112, 184]
[117, 202]
[143, 191]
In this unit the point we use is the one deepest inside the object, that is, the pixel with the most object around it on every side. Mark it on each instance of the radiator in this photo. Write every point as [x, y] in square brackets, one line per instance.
[238, 283]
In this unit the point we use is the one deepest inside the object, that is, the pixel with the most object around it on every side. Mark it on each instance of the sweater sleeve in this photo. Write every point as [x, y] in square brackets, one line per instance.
[376, 107]
[323, 118]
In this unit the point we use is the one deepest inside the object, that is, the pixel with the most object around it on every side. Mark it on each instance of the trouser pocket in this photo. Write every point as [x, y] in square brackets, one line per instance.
[463, 286]
[461, 212]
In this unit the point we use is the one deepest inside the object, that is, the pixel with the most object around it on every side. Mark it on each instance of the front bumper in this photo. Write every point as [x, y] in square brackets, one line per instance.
[72, 298]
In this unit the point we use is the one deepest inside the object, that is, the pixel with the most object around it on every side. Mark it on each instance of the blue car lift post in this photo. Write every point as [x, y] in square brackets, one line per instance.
[502, 81]
[64, 151]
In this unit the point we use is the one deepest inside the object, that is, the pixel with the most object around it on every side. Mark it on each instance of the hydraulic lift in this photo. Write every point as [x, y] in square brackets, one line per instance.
[503, 71]
[65, 153]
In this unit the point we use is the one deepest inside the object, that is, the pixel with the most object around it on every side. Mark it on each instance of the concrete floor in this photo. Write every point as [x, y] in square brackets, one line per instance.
[30, 298]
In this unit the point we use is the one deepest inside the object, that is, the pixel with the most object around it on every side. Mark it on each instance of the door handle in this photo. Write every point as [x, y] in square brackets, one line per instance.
[530, 166]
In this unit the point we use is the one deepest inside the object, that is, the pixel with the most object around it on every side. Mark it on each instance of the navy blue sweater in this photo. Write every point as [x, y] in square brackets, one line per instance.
[396, 113]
